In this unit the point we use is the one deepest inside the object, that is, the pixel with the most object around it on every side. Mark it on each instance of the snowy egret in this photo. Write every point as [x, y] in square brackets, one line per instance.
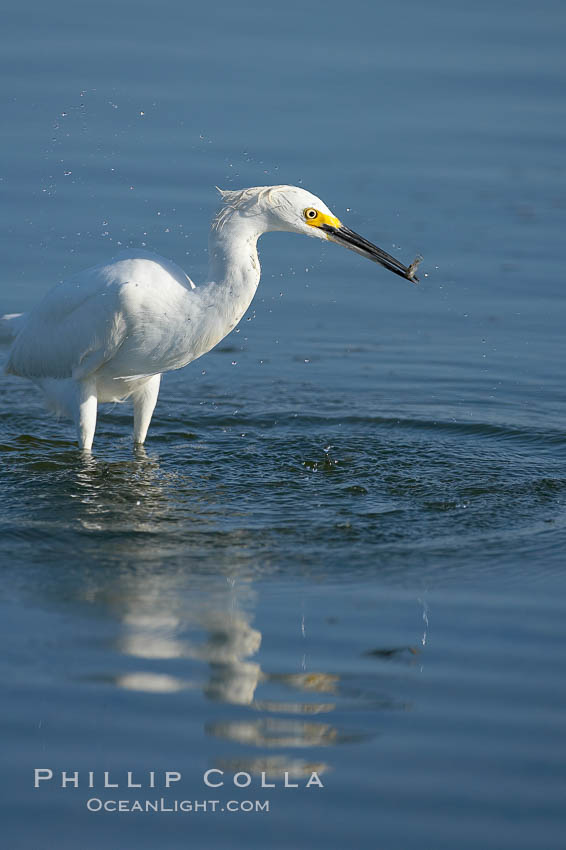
[109, 333]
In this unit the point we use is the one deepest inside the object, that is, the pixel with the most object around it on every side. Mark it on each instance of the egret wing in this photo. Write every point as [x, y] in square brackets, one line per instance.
[77, 327]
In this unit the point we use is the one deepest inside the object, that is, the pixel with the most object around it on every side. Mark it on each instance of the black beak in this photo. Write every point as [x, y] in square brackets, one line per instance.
[344, 236]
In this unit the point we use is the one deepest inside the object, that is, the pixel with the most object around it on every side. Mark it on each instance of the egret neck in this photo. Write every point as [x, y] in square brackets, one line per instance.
[234, 268]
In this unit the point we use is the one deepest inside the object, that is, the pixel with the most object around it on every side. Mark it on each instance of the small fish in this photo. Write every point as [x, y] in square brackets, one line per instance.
[412, 269]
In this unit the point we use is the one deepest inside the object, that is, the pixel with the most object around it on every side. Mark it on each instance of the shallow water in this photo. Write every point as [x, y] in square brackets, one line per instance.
[342, 549]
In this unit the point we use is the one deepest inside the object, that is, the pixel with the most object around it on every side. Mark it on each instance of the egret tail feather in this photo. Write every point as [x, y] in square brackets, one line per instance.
[10, 326]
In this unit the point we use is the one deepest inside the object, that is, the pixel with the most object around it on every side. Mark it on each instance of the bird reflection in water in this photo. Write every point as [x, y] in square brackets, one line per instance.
[151, 631]
[168, 610]
[125, 497]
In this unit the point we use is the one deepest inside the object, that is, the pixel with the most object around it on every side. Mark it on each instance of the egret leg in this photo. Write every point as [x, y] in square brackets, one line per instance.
[144, 404]
[85, 418]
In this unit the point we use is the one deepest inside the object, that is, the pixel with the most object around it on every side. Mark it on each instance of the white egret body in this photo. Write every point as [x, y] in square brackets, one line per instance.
[108, 334]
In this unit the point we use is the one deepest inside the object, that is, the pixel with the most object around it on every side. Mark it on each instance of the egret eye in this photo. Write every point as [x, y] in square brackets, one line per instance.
[310, 213]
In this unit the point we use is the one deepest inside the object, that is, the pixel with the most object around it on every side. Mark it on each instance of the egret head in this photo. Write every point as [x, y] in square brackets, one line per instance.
[294, 209]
